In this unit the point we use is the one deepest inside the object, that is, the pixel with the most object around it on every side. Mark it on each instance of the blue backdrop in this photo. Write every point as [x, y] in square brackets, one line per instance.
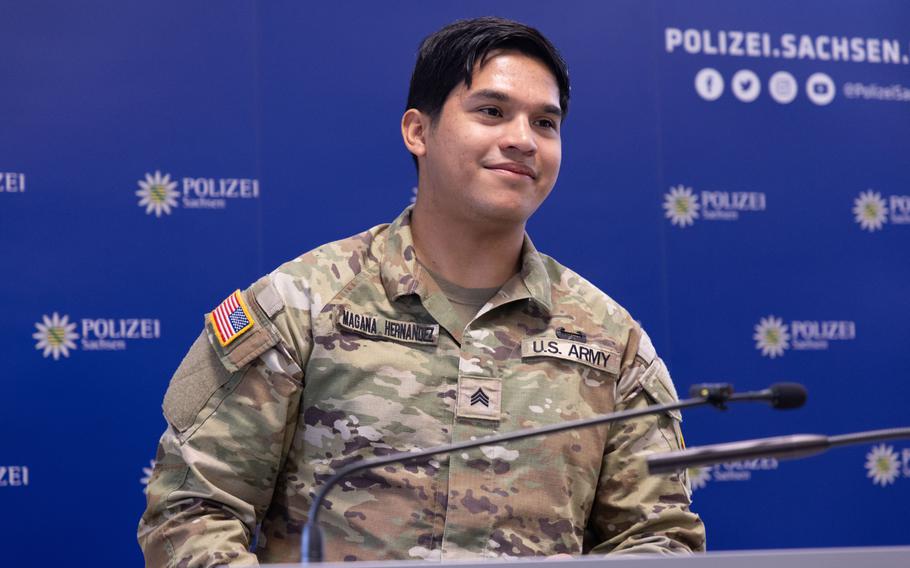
[735, 173]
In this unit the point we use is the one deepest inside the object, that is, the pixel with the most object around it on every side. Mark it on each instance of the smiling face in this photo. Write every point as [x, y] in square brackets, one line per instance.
[493, 153]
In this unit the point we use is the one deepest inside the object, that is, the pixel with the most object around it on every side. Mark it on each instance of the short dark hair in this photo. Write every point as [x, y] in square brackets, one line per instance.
[448, 57]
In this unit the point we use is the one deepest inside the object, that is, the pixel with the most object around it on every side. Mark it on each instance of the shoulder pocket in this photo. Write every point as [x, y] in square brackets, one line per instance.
[200, 375]
[236, 333]
[659, 386]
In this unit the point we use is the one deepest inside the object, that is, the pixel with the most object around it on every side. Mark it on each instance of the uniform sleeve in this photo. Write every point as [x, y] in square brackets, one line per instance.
[231, 416]
[635, 512]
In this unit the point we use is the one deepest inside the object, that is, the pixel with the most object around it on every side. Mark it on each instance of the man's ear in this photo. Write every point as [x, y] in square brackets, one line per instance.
[414, 127]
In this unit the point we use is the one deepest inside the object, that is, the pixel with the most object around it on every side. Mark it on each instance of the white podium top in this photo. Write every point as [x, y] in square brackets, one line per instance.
[873, 557]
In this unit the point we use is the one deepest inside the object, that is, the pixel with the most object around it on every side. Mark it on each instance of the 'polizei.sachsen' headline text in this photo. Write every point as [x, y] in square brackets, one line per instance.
[734, 43]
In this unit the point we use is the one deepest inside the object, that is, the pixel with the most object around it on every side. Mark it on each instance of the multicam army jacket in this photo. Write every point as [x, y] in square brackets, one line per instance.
[351, 351]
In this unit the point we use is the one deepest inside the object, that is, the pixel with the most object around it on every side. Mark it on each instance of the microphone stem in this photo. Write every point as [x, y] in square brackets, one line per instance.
[491, 440]
[311, 549]
[782, 447]
[869, 436]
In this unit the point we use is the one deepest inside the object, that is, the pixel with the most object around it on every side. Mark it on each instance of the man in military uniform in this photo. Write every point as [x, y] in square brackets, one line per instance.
[443, 326]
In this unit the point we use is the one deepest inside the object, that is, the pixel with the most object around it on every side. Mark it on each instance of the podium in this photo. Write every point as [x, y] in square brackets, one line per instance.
[872, 557]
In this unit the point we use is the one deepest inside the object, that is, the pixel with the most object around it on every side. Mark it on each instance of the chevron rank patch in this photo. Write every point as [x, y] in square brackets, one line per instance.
[479, 398]
[231, 319]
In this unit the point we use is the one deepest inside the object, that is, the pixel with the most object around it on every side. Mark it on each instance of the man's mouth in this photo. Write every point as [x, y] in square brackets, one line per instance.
[514, 168]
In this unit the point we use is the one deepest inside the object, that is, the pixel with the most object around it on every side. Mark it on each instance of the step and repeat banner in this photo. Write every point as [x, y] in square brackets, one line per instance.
[735, 173]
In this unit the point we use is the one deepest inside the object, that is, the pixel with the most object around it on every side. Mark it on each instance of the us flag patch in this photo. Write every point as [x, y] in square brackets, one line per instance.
[231, 319]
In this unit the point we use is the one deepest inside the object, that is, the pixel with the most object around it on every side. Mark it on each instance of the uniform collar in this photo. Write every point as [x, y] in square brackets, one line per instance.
[402, 275]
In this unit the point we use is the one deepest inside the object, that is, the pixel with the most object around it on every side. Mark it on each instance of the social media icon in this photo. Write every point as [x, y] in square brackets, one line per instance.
[820, 89]
[745, 85]
[709, 84]
[783, 87]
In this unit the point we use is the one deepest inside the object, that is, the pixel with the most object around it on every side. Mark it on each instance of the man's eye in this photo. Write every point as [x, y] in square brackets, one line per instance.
[491, 111]
[547, 123]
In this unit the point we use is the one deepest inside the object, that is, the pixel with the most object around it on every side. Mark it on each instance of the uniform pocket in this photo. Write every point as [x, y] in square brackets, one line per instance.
[657, 383]
[659, 387]
[199, 378]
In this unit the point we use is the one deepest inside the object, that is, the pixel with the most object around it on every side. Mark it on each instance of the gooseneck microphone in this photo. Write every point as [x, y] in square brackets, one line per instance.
[717, 395]
[783, 396]
[781, 447]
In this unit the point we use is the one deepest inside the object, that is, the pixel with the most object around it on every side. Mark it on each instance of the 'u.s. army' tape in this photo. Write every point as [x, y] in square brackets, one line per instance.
[599, 357]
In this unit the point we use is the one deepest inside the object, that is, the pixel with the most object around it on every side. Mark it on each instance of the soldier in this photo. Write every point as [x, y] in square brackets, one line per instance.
[444, 325]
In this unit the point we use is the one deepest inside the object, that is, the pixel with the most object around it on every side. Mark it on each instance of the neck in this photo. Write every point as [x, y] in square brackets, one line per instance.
[469, 254]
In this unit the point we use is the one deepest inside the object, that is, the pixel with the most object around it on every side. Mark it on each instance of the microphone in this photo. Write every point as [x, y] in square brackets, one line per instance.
[781, 447]
[311, 544]
[783, 396]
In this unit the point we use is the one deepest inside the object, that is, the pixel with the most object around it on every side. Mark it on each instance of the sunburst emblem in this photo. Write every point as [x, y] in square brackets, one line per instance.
[157, 193]
[699, 477]
[870, 211]
[771, 337]
[681, 206]
[147, 476]
[882, 465]
[55, 335]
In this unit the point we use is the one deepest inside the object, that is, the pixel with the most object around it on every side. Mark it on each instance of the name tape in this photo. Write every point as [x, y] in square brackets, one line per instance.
[380, 327]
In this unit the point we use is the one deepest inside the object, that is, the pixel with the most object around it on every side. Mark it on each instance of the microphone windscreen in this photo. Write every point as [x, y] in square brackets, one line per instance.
[788, 395]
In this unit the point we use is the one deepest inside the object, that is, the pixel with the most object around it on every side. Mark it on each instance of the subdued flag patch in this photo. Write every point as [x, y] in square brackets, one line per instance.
[231, 319]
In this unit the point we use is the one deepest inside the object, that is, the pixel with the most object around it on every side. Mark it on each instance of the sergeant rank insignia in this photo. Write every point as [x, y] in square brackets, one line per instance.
[231, 319]
[480, 397]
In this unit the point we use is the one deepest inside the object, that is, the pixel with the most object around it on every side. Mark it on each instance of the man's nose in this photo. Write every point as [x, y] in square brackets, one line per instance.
[519, 135]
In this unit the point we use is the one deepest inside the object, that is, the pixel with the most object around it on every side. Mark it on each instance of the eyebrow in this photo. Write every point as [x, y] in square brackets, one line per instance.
[502, 97]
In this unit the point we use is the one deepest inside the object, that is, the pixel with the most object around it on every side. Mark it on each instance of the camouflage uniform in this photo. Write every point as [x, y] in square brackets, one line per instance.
[355, 353]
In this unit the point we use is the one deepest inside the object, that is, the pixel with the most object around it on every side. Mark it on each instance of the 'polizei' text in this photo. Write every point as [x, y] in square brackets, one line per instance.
[12, 182]
[726, 206]
[738, 43]
[812, 335]
[209, 193]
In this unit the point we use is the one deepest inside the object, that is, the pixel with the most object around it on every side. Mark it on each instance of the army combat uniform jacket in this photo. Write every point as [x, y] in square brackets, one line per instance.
[351, 351]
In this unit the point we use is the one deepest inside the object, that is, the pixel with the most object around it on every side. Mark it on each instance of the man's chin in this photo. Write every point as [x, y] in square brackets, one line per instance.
[502, 214]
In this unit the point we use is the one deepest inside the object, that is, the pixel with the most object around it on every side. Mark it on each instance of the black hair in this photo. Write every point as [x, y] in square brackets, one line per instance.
[448, 58]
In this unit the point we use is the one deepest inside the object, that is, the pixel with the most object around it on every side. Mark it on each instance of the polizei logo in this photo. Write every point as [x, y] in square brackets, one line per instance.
[871, 211]
[884, 465]
[682, 205]
[773, 337]
[160, 195]
[56, 335]
[146, 478]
